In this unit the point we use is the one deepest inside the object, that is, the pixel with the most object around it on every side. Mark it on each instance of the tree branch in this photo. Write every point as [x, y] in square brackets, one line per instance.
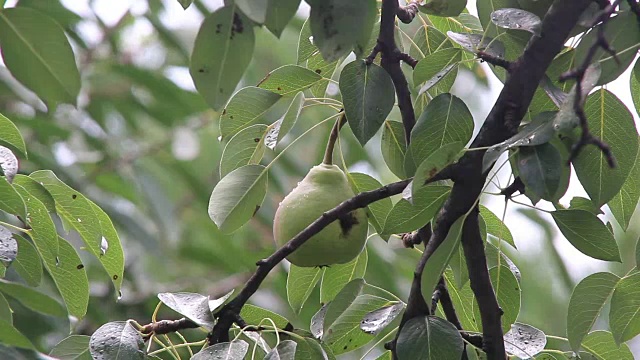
[228, 315]
[408, 12]
[168, 326]
[501, 123]
[586, 138]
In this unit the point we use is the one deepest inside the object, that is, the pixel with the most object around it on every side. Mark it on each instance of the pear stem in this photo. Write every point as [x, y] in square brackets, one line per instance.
[328, 153]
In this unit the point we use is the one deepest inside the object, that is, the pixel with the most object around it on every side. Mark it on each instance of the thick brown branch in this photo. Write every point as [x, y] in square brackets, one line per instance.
[168, 326]
[408, 12]
[494, 60]
[516, 186]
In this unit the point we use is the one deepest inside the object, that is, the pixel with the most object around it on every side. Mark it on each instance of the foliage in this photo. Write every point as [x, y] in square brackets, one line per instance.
[116, 198]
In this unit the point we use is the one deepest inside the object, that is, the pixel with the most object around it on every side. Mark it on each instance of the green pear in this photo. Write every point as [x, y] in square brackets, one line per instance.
[324, 187]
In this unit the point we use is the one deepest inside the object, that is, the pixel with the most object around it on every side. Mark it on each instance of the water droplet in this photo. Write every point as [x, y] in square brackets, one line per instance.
[119, 295]
[311, 39]
[57, 261]
[79, 220]
[104, 246]
[518, 26]
[220, 138]
[556, 126]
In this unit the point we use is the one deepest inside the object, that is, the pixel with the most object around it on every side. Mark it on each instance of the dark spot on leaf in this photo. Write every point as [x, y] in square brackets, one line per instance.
[237, 26]
[256, 140]
[224, 111]
[80, 267]
[318, 71]
[279, 88]
[218, 28]
[347, 222]
[74, 196]
[230, 116]
[221, 90]
[256, 210]
[345, 347]
[115, 277]
[433, 172]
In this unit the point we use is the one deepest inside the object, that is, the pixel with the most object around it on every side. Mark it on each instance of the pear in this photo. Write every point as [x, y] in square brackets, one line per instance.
[324, 187]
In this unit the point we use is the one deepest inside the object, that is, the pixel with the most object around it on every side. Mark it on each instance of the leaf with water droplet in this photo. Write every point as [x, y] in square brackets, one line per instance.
[476, 42]
[524, 341]
[117, 340]
[517, 19]
[8, 247]
[377, 320]
[8, 163]
[193, 306]
[234, 350]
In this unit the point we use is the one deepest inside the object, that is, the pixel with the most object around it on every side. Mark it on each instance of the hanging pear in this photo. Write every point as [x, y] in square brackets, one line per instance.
[324, 187]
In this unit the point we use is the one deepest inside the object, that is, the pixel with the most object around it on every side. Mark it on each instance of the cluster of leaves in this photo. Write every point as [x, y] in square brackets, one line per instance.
[354, 313]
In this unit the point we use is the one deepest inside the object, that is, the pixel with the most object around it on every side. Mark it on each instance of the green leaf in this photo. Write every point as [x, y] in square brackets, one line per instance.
[245, 148]
[74, 347]
[377, 211]
[344, 334]
[194, 307]
[32, 299]
[587, 233]
[624, 203]
[507, 291]
[306, 48]
[601, 345]
[27, 264]
[517, 19]
[10, 135]
[11, 336]
[634, 84]
[324, 68]
[540, 169]
[253, 315]
[245, 108]
[279, 14]
[300, 284]
[443, 8]
[440, 258]
[611, 121]
[624, 316]
[434, 163]
[10, 201]
[445, 120]
[339, 26]
[341, 302]
[6, 313]
[566, 118]
[117, 340]
[36, 190]
[587, 300]
[427, 40]
[93, 224]
[289, 79]
[429, 337]
[222, 51]
[280, 128]
[38, 54]
[434, 64]
[539, 131]
[464, 302]
[43, 230]
[70, 277]
[394, 146]
[185, 3]
[256, 10]
[495, 226]
[580, 203]
[618, 36]
[337, 276]
[237, 197]
[368, 96]
[524, 341]
[405, 217]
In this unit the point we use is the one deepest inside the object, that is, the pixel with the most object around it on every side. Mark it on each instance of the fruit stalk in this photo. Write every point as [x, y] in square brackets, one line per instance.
[333, 137]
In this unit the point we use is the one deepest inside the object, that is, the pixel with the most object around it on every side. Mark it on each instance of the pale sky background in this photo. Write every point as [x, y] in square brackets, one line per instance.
[526, 233]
